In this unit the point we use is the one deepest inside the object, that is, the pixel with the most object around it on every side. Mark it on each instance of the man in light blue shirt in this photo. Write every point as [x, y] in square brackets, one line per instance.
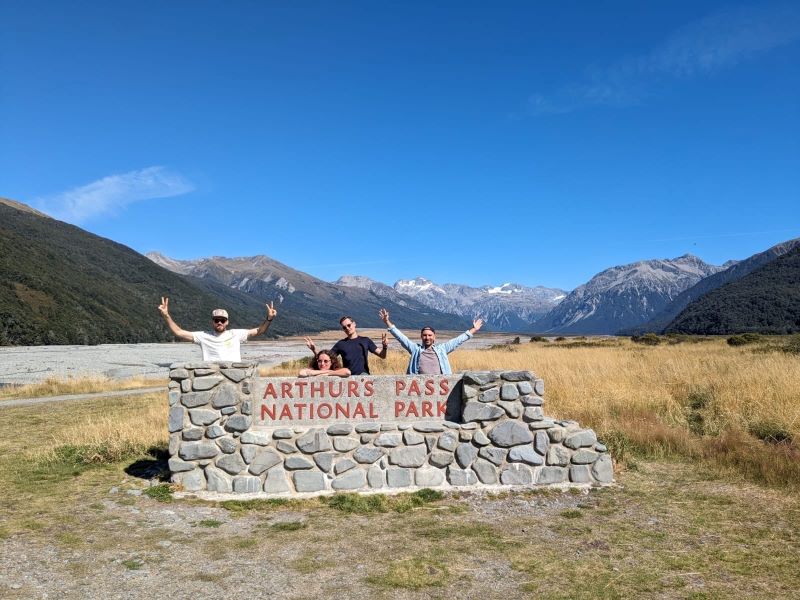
[429, 358]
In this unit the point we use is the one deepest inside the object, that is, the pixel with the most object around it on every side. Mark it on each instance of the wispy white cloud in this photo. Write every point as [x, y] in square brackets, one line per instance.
[111, 194]
[718, 41]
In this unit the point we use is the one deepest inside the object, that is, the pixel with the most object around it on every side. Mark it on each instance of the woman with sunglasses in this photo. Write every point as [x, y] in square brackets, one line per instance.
[325, 362]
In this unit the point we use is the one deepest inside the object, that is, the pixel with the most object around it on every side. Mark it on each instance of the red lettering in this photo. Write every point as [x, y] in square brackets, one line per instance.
[372, 413]
[427, 408]
[414, 387]
[311, 410]
[286, 412]
[359, 411]
[444, 387]
[412, 408]
[267, 412]
[330, 389]
[319, 389]
[352, 389]
[399, 386]
[398, 408]
[343, 410]
[300, 407]
[429, 387]
[270, 391]
[286, 390]
[368, 384]
[301, 387]
[441, 408]
[327, 408]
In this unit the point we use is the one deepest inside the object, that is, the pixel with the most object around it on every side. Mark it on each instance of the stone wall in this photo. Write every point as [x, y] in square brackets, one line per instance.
[498, 435]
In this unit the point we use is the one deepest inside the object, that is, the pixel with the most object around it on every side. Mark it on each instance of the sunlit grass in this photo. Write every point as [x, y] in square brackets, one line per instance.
[53, 386]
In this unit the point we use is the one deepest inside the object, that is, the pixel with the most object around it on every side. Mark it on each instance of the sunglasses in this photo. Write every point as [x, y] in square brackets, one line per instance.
[220, 319]
[346, 325]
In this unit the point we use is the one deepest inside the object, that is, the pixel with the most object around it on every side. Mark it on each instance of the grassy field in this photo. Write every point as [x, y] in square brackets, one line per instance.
[53, 386]
[706, 505]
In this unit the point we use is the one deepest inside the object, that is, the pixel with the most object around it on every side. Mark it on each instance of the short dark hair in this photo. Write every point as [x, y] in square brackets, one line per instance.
[346, 317]
[433, 331]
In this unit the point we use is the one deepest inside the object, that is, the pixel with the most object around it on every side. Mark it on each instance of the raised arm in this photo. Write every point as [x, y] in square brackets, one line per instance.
[398, 335]
[311, 345]
[476, 325]
[261, 329]
[384, 347]
[179, 333]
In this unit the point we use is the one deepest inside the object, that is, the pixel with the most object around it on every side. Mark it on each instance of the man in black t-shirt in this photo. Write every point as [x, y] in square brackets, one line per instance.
[354, 348]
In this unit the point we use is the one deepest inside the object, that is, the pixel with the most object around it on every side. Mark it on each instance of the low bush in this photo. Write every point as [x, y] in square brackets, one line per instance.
[742, 339]
[648, 339]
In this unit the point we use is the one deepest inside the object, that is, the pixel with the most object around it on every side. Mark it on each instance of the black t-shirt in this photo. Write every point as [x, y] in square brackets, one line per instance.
[354, 353]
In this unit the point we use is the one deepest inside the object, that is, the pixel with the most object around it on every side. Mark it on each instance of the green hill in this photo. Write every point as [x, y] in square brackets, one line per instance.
[766, 300]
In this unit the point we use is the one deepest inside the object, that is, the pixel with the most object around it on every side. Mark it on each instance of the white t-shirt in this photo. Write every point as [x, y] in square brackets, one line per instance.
[222, 347]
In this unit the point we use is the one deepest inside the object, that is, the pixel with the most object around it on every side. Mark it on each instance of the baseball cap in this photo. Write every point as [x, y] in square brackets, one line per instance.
[219, 312]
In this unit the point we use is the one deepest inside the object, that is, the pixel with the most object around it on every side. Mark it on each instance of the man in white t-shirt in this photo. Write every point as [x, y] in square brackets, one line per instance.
[221, 344]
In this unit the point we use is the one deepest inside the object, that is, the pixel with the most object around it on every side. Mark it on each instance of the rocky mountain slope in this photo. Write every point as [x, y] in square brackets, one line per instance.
[624, 296]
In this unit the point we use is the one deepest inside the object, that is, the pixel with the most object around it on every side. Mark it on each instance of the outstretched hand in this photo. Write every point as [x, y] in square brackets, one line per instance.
[384, 315]
[385, 339]
[311, 345]
[271, 311]
[477, 324]
[163, 308]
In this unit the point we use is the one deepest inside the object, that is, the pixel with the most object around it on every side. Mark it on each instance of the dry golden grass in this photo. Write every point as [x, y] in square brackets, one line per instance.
[53, 386]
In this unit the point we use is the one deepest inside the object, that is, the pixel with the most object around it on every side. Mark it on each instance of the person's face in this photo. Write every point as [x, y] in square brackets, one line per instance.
[219, 323]
[428, 338]
[349, 327]
[323, 362]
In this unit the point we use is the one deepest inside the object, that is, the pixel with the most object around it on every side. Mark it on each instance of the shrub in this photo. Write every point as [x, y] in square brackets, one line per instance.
[793, 346]
[648, 339]
[515, 340]
[743, 339]
[539, 338]
[769, 431]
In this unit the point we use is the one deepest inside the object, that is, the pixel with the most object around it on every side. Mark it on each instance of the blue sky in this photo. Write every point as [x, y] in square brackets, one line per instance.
[466, 142]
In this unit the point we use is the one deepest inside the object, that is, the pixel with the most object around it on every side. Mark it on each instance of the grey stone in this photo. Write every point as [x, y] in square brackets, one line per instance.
[465, 436]
[448, 442]
[282, 434]
[409, 456]
[227, 445]
[580, 439]
[451, 425]
[200, 372]
[428, 477]
[537, 425]
[388, 440]
[340, 429]
[315, 440]
[538, 387]
[557, 434]
[186, 386]
[404, 426]
[516, 475]
[285, 447]
[494, 455]
[228, 410]
[469, 426]
[225, 395]
[366, 438]
[541, 442]
[368, 428]
[276, 482]
[480, 439]
[532, 413]
[217, 481]
[176, 465]
[513, 409]
[440, 459]
[510, 433]
[246, 388]
[178, 374]
[200, 384]
[308, 481]
[324, 460]
[461, 476]
[526, 455]
[603, 469]
[468, 392]
[388, 427]
[198, 450]
[294, 463]
[579, 474]
[174, 395]
[428, 427]
[430, 442]
[600, 447]
[235, 375]
[248, 452]
[260, 438]
[344, 465]
[344, 444]
[412, 438]
[479, 377]
[399, 477]
[584, 457]
[246, 407]
[238, 423]
[491, 395]
[175, 420]
[231, 463]
[174, 443]
[558, 455]
[193, 434]
[531, 401]
[192, 481]
[351, 480]
[477, 411]
[509, 391]
[486, 471]
[465, 454]
[246, 484]
[376, 477]
[366, 454]
[525, 387]
[264, 460]
[517, 376]
[549, 475]
[214, 431]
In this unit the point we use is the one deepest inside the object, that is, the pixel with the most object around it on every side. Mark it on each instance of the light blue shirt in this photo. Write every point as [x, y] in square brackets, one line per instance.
[441, 350]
